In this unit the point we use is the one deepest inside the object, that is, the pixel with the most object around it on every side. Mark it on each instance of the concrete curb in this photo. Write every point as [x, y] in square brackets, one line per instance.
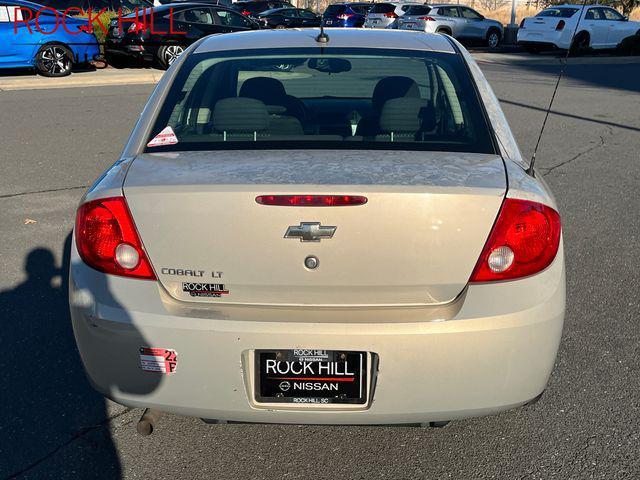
[96, 78]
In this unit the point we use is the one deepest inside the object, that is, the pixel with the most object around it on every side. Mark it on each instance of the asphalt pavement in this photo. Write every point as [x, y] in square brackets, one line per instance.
[586, 426]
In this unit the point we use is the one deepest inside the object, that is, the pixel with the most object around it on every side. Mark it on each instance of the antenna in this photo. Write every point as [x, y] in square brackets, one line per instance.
[555, 90]
[322, 37]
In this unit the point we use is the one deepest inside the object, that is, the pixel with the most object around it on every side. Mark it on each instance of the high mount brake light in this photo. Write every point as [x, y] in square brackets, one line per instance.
[560, 25]
[524, 241]
[311, 200]
[107, 239]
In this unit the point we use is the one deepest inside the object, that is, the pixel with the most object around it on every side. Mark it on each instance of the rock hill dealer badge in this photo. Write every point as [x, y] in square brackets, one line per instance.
[311, 376]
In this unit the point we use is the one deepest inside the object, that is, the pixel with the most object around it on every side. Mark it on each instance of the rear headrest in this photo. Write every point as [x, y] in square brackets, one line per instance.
[402, 115]
[238, 114]
[268, 90]
[393, 87]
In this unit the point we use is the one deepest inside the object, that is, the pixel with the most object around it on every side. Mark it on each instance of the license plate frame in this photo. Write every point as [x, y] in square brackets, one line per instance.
[330, 377]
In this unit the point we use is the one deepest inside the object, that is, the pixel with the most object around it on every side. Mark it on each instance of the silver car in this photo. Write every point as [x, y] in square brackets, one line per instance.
[386, 14]
[459, 21]
[353, 240]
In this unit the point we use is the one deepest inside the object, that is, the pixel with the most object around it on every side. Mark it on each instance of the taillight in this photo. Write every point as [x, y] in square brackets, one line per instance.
[391, 15]
[524, 240]
[345, 16]
[560, 25]
[137, 27]
[246, 12]
[311, 200]
[107, 239]
[427, 19]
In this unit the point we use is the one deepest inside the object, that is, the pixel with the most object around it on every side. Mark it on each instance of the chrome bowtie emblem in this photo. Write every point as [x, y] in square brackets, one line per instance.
[309, 232]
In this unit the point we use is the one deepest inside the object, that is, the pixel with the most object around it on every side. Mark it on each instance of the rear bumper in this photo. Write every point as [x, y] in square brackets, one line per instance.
[548, 40]
[493, 349]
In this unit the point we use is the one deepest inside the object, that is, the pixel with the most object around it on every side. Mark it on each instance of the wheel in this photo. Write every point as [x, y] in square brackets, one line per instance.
[444, 30]
[54, 60]
[580, 44]
[493, 38]
[167, 54]
[280, 27]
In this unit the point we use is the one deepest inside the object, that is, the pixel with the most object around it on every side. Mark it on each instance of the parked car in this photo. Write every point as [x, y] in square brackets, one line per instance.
[224, 3]
[288, 18]
[53, 46]
[385, 14]
[254, 7]
[598, 27]
[346, 14]
[393, 262]
[459, 21]
[175, 26]
[74, 7]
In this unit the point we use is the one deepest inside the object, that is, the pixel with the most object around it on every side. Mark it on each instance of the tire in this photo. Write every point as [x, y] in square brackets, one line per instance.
[167, 54]
[280, 27]
[444, 30]
[54, 60]
[493, 38]
[580, 44]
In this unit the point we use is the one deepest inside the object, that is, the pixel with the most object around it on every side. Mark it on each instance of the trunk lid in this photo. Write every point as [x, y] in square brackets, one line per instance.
[415, 241]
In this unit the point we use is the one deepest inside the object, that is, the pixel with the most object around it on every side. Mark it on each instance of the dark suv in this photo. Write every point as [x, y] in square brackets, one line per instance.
[346, 14]
[254, 8]
[163, 36]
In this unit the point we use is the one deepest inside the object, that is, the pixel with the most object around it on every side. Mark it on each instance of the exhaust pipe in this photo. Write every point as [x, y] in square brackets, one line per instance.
[147, 423]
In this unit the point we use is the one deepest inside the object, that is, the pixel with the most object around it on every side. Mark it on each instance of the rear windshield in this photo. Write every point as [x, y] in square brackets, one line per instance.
[557, 12]
[383, 8]
[335, 10]
[337, 98]
[418, 10]
[250, 7]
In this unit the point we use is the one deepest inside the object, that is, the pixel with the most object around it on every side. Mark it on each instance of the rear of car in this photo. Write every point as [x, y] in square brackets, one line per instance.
[346, 14]
[552, 28]
[417, 18]
[349, 242]
[386, 14]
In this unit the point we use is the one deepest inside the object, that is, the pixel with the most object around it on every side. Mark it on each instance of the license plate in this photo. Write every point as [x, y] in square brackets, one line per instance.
[329, 22]
[311, 376]
[410, 25]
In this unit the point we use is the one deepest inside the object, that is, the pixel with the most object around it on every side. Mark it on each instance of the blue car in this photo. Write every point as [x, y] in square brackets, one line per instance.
[346, 14]
[50, 42]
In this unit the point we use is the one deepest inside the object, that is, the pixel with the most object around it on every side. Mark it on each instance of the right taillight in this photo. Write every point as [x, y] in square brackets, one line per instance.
[391, 15]
[560, 25]
[107, 239]
[524, 241]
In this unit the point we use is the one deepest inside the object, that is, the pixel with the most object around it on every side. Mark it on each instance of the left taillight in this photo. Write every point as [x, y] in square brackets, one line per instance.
[560, 25]
[107, 239]
[524, 241]
[391, 15]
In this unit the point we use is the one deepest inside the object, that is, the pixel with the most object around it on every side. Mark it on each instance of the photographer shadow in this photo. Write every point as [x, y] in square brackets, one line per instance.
[51, 418]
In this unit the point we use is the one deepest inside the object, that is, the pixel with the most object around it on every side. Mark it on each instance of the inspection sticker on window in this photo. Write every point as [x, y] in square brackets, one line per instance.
[159, 360]
[165, 137]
